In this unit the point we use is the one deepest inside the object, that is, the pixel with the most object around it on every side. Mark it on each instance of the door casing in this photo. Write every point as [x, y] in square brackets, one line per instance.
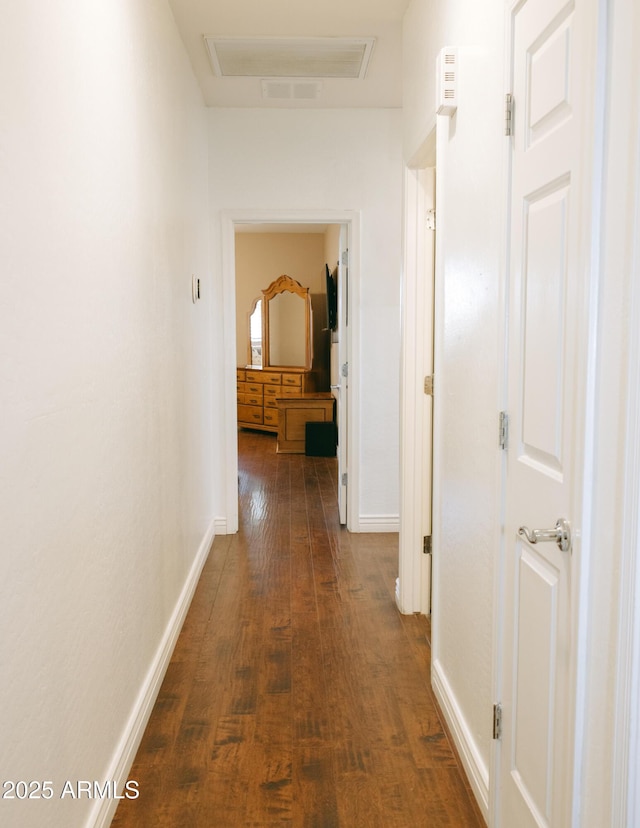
[229, 220]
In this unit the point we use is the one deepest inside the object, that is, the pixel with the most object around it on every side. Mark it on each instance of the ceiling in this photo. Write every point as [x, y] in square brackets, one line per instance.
[381, 20]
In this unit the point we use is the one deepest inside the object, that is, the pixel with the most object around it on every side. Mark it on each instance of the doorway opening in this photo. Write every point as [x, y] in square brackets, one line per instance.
[339, 239]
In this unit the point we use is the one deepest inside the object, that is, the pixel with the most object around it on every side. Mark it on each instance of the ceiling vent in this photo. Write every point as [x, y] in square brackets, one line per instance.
[289, 57]
[285, 90]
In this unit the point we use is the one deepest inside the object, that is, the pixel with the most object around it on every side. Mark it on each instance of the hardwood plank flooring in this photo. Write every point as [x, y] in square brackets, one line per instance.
[297, 695]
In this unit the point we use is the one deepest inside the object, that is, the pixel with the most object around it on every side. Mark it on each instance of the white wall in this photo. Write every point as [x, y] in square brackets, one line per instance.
[105, 422]
[469, 204]
[324, 160]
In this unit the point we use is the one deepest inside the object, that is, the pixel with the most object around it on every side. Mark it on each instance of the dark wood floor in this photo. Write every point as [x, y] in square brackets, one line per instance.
[297, 694]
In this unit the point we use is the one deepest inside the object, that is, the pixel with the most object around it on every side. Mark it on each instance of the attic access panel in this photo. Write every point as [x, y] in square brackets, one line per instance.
[288, 57]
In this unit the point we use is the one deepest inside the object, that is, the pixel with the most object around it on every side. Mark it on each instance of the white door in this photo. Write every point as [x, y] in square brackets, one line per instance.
[548, 286]
[427, 179]
[341, 389]
[413, 587]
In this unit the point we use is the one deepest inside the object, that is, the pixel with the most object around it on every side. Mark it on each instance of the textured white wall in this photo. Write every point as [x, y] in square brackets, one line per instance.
[469, 244]
[350, 160]
[105, 421]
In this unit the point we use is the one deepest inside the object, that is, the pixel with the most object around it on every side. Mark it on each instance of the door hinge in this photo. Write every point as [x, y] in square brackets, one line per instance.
[503, 431]
[345, 257]
[431, 219]
[497, 721]
[426, 545]
[344, 479]
[345, 369]
[508, 114]
[428, 385]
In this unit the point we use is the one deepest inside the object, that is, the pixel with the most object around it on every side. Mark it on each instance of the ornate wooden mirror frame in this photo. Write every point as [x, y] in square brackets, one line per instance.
[271, 326]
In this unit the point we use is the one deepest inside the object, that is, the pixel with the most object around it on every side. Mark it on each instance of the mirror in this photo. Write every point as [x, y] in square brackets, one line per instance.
[282, 335]
[255, 334]
[287, 330]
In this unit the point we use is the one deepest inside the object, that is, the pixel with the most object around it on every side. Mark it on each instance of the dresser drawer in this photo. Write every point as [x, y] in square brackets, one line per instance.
[271, 416]
[271, 391]
[250, 414]
[251, 399]
[290, 392]
[253, 388]
[292, 379]
[264, 377]
[241, 374]
[270, 402]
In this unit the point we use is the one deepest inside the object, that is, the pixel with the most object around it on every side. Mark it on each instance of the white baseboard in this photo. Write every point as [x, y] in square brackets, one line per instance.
[220, 526]
[397, 593]
[104, 809]
[379, 523]
[476, 770]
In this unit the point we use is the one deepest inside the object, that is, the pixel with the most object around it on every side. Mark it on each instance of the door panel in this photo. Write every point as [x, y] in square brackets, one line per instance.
[545, 406]
[544, 276]
[549, 72]
[534, 702]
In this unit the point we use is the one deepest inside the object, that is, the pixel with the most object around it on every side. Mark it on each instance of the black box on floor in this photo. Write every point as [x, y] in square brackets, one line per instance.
[320, 439]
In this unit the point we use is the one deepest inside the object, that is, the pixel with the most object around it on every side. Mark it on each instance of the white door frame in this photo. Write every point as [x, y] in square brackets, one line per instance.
[229, 219]
[621, 275]
[414, 573]
[626, 734]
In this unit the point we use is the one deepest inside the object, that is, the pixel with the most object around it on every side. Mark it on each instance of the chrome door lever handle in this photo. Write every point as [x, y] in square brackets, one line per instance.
[561, 534]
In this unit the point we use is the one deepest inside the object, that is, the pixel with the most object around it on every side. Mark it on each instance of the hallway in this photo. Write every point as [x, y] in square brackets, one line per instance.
[297, 695]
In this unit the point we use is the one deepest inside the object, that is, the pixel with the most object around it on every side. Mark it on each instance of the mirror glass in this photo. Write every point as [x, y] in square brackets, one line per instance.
[287, 329]
[255, 335]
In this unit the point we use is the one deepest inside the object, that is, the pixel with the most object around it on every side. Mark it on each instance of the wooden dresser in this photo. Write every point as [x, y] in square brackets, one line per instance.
[259, 388]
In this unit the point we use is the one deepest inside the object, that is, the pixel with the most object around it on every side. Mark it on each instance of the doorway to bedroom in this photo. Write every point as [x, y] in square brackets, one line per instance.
[314, 255]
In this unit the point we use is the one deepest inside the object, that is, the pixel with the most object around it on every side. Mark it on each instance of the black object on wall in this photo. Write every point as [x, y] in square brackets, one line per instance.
[332, 297]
